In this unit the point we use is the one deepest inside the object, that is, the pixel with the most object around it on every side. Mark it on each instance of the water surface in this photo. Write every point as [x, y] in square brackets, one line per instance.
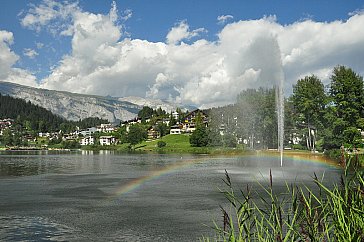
[106, 196]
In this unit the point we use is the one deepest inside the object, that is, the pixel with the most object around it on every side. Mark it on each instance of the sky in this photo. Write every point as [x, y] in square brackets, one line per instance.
[188, 52]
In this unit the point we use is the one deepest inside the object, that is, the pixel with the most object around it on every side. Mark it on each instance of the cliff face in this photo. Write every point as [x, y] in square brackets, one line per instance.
[73, 106]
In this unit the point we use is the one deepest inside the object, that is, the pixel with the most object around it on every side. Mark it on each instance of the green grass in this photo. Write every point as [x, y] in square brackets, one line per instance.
[299, 214]
[180, 144]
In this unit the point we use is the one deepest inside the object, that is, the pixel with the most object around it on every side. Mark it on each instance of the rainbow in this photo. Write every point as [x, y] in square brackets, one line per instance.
[182, 164]
[138, 182]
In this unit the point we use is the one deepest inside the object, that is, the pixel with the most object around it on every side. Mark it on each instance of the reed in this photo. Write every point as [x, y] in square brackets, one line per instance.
[298, 214]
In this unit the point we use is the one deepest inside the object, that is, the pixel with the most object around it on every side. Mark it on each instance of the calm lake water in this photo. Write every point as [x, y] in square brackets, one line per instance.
[106, 196]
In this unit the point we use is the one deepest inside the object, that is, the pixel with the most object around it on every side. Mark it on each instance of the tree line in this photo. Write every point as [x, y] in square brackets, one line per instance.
[318, 117]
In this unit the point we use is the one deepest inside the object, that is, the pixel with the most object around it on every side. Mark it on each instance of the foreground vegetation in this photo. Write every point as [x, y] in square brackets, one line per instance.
[300, 214]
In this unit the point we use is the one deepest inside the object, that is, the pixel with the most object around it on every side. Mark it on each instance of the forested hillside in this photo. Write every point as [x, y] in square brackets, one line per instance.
[35, 118]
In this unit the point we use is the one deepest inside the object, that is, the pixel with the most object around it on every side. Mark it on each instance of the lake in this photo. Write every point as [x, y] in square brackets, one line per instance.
[106, 196]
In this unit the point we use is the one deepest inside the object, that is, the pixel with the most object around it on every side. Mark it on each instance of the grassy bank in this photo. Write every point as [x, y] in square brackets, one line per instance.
[180, 144]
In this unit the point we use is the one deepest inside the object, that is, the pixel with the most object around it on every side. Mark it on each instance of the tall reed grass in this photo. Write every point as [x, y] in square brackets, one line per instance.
[298, 214]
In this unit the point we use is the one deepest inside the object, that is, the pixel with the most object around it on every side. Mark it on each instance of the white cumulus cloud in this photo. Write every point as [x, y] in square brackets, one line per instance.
[182, 31]
[246, 54]
[8, 59]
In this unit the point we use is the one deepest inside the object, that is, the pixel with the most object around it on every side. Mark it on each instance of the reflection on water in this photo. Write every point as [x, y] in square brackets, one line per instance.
[15, 228]
[79, 195]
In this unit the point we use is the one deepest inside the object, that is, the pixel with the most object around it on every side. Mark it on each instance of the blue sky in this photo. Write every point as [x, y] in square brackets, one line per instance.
[57, 45]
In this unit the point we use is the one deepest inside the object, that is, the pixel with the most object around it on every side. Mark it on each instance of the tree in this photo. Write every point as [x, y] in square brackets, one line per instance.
[162, 129]
[7, 137]
[145, 113]
[199, 137]
[256, 118]
[309, 100]
[347, 95]
[137, 133]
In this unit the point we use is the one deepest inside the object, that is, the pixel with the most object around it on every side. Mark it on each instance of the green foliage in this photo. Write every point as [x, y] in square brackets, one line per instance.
[214, 138]
[137, 133]
[347, 92]
[309, 99]
[34, 119]
[74, 144]
[90, 122]
[299, 214]
[145, 113]
[347, 95]
[199, 137]
[33, 116]
[256, 116]
[7, 137]
[229, 140]
[162, 129]
[161, 144]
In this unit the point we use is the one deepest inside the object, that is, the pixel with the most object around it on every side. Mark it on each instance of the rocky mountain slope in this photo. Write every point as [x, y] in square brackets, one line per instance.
[73, 106]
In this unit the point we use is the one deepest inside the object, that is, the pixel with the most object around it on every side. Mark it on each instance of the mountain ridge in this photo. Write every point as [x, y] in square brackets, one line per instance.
[75, 106]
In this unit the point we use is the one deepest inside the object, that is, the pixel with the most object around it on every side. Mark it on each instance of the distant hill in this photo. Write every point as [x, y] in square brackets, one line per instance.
[73, 106]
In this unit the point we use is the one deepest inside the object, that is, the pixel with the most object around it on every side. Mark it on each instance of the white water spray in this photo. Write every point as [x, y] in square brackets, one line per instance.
[280, 117]
[280, 105]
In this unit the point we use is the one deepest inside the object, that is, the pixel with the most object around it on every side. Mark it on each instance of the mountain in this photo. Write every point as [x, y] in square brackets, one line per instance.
[73, 106]
[154, 103]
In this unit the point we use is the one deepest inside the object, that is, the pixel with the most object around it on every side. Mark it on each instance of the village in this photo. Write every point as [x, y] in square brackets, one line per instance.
[106, 134]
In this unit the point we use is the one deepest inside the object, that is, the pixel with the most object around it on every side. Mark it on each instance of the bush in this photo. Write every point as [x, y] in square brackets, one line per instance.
[161, 144]
[199, 137]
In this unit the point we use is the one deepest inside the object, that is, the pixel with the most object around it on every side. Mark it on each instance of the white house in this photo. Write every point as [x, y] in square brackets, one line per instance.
[88, 131]
[175, 115]
[106, 128]
[107, 140]
[175, 129]
[89, 140]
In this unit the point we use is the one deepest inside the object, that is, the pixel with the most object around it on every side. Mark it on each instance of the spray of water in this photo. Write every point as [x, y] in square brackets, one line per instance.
[280, 104]
[280, 117]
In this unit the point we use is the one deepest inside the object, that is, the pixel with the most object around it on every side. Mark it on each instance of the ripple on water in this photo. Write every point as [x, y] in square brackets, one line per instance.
[17, 228]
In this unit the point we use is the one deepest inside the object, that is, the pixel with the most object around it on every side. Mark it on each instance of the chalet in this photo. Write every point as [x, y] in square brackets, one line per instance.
[107, 140]
[153, 133]
[176, 129]
[87, 140]
[189, 123]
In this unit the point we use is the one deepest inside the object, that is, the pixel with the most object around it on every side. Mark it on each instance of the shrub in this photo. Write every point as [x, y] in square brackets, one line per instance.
[161, 144]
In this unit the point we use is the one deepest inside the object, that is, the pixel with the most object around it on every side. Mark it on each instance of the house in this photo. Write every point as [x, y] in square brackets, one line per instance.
[5, 124]
[175, 115]
[175, 129]
[88, 131]
[107, 140]
[69, 137]
[105, 128]
[153, 133]
[130, 122]
[88, 140]
[189, 123]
